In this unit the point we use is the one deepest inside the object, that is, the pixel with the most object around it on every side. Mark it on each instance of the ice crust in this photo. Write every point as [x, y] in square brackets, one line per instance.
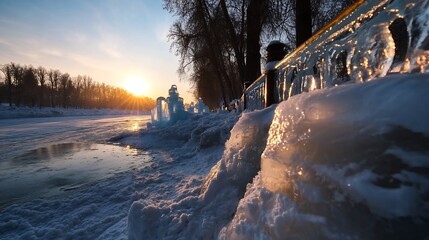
[348, 162]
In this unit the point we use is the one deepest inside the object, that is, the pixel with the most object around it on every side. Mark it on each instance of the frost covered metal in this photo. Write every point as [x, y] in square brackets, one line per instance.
[371, 40]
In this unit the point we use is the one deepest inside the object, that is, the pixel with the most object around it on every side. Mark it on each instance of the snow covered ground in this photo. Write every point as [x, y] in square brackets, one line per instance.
[99, 209]
[349, 162]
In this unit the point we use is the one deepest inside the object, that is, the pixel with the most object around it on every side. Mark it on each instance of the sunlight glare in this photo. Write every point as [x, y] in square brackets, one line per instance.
[136, 86]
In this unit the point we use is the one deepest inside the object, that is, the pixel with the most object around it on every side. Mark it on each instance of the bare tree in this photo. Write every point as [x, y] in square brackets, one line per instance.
[29, 86]
[303, 27]
[86, 90]
[18, 76]
[41, 77]
[65, 90]
[227, 36]
[25, 84]
[7, 71]
[53, 76]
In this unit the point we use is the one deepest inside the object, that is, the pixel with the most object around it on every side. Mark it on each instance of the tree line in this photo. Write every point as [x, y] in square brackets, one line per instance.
[219, 42]
[39, 87]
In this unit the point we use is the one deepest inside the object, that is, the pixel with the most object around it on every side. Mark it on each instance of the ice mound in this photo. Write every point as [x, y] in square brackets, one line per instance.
[241, 159]
[350, 162]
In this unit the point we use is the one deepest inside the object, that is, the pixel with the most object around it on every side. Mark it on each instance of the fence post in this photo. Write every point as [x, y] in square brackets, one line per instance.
[270, 84]
[275, 52]
[243, 100]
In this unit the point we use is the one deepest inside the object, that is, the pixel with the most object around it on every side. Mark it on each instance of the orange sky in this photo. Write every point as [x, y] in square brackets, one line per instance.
[111, 41]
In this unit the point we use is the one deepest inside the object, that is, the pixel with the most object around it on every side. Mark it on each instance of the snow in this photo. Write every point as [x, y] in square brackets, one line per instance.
[167, 202]
[328, 170]
[348, 162]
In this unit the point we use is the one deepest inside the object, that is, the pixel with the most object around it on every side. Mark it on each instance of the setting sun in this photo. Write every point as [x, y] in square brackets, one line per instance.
[136, 85]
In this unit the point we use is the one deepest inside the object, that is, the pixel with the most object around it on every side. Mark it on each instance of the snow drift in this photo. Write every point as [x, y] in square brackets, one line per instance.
[350, 162]
[167, 202]
[204, 199]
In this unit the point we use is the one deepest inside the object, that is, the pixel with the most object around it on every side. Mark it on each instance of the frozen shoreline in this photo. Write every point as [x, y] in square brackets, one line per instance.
[332, 162]
[79, 185]
[7, 112]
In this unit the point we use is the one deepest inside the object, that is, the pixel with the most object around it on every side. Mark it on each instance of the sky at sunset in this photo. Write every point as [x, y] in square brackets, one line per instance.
[112, 41]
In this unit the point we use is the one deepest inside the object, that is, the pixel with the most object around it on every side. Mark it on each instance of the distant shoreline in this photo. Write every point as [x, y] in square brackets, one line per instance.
[7, 112]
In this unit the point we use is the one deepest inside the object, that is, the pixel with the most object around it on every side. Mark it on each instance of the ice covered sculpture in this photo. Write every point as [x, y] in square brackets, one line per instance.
[200, 107]
[160, 113]
[176, 107]
[191, 108]
[168, 109]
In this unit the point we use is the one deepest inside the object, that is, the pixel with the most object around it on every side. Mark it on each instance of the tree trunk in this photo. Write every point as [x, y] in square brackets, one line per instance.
[255, 16]
[302, 21]
[218, 64]
[239, 55]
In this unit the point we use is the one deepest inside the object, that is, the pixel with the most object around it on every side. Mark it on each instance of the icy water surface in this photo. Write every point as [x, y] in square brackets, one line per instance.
[60, 168]
[47, 157]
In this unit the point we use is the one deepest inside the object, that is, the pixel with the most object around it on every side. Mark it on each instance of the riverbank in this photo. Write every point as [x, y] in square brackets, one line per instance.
[10, 112]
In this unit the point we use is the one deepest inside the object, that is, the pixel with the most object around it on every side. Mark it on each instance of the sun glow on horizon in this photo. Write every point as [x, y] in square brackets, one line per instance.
[136, 86]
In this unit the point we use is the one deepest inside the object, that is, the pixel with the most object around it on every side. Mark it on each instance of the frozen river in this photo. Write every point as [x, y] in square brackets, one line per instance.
[45, 157]
[20, 135]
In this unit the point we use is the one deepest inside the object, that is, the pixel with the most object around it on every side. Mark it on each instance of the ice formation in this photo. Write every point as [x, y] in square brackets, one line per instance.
[348, 162]
[168, 110]
[376, 39]
[171, 109]
[199, 107]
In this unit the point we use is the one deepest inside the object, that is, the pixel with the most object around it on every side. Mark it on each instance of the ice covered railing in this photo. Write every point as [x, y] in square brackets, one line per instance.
[371, 39]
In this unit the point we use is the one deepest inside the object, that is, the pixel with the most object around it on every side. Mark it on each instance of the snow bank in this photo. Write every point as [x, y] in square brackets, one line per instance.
[226, 182]
[349, 162]
[167, 202]
[7, 112]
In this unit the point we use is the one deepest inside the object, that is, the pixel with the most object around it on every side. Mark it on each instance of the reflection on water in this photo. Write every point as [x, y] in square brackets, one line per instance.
[49, 153]
[56, 169]
[135, 127]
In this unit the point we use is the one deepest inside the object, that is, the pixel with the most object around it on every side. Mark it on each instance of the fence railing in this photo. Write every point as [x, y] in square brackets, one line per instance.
[369, 40]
